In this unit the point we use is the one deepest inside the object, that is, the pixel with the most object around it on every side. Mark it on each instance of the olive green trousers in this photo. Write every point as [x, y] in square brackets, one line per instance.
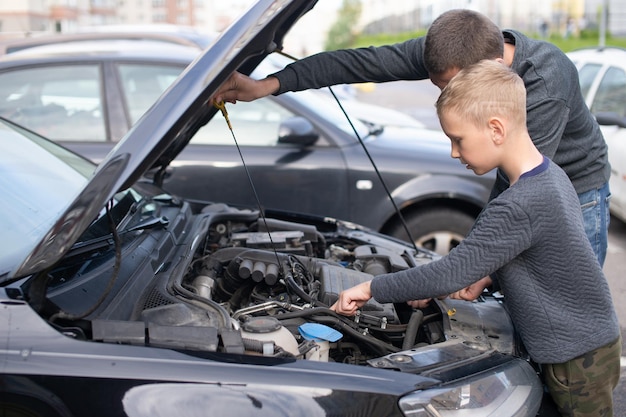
[583, 386]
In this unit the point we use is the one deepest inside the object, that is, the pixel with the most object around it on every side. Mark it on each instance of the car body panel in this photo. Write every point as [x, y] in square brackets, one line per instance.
[128, 377]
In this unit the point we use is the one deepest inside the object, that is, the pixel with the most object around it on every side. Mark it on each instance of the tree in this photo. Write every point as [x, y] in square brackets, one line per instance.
[343, 32]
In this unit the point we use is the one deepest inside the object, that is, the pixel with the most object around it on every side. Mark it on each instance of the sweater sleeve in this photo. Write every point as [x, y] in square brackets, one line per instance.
[500, 234]
[547, 120]
[401, 61]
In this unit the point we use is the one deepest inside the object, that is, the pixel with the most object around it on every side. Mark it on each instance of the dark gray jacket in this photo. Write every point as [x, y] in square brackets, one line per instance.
[559, 122]
[532, 236]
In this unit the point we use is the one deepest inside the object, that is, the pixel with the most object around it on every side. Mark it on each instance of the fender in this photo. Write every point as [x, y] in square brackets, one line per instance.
[429, 187]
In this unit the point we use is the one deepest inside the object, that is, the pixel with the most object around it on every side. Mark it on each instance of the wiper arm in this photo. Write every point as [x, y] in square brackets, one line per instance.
[149, 223]
[106, 241]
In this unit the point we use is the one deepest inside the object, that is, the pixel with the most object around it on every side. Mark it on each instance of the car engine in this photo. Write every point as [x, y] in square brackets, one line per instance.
[285, 295]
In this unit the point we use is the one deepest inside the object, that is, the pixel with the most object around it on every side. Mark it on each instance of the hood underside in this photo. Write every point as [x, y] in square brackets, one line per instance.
[158, 137]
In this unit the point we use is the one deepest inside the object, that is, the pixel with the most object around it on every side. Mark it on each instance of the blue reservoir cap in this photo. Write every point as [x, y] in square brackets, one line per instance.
[316, 331]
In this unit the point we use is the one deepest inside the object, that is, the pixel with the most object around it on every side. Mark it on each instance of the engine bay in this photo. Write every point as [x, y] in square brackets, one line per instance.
[237, 282]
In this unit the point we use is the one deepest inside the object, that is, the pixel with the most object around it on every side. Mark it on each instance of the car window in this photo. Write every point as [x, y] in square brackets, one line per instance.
[611, 94]
[143, 84]
[586, 74]
[254, 123]
[60, 102]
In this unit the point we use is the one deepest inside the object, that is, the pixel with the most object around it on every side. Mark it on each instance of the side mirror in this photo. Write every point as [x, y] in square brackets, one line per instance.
[610, 119]
[297, 131]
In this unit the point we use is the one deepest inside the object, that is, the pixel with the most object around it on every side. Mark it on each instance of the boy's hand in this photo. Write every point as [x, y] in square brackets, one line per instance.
[243, 88]
[419, 303]
[469, 293]
[473, 291]
[424, 303]
[352, 299]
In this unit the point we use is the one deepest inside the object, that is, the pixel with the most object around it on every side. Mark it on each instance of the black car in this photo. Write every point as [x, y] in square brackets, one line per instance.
[119, 299]
[299, 148]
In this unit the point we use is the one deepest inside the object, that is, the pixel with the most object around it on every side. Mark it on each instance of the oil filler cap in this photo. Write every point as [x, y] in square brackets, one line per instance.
[261, 325]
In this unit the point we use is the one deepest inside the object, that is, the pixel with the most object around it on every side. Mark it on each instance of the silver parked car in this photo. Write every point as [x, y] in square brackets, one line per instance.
[602, 73]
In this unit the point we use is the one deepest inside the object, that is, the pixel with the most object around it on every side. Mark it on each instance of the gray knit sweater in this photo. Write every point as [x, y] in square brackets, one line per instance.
[532, 237]
[559, 122]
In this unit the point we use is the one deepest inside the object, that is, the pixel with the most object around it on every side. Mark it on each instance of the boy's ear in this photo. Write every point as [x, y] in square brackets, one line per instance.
[497, 130]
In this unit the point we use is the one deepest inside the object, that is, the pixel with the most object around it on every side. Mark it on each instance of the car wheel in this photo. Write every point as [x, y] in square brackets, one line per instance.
[436, 229]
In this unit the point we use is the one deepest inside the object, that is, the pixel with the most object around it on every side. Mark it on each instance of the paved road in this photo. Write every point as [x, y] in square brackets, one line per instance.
[417, 99]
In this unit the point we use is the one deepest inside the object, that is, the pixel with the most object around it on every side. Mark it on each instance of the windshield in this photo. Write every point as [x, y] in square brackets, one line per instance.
[38, 180]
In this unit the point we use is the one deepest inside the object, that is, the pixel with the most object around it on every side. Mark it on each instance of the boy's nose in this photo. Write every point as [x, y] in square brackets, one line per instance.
[454, 153]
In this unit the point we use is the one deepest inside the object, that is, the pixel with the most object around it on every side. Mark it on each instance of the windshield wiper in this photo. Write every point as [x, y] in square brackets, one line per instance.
[104, 242]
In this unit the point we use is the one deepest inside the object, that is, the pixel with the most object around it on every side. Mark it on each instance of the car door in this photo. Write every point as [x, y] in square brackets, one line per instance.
[281, 172]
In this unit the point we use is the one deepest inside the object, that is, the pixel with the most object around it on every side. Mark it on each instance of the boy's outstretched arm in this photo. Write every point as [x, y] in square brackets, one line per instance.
[469, 293]
[243, 88]
[352, 299]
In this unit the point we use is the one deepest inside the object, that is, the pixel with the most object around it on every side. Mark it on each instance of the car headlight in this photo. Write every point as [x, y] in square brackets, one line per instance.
[512, 389]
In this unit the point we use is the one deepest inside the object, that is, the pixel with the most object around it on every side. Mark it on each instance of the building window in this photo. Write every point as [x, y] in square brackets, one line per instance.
[159, 17]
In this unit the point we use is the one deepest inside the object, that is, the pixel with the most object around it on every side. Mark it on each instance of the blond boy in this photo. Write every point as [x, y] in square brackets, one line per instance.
[558, 299]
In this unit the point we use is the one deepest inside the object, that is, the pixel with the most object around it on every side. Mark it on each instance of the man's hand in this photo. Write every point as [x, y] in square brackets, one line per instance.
[473, 291]
[243, 88]
[352, 299]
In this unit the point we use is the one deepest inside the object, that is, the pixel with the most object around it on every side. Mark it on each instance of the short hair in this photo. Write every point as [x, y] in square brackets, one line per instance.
[483, 90]
[461, 37]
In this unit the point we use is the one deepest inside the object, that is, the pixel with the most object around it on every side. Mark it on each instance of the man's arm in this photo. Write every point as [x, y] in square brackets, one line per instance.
[402, 61]
[546, 123]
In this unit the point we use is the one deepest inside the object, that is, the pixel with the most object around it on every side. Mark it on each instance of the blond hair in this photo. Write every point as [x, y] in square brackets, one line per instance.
[483, 90]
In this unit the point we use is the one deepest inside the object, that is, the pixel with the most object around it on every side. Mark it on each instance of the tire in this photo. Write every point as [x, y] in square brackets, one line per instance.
[437, 229]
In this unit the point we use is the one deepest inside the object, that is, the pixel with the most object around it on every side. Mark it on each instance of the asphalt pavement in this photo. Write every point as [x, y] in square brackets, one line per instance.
[417, 98]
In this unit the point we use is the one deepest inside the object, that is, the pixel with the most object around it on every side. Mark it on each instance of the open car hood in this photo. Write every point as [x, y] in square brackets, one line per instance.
[158, 137]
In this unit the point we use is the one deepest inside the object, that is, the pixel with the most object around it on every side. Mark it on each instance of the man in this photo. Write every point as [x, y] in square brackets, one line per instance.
[559, 122]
